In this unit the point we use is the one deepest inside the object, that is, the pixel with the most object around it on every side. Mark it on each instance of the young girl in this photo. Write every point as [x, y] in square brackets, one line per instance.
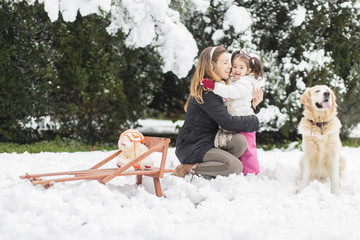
[246, 80]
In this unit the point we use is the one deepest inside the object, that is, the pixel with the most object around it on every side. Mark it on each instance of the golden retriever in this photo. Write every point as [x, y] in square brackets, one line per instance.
[320, 130]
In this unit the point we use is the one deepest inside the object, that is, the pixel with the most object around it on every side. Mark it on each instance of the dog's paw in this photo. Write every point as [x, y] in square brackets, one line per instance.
[335, 186]
[336, 191]
[300, 188]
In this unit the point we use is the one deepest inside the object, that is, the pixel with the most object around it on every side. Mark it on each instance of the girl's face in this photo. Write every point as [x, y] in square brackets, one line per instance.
[239, 68]
[222, 68]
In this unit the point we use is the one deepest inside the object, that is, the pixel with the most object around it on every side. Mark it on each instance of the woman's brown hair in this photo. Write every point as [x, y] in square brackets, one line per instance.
[204, 69]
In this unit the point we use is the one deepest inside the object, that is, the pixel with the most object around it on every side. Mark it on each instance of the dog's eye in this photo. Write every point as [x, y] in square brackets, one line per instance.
[317, 91]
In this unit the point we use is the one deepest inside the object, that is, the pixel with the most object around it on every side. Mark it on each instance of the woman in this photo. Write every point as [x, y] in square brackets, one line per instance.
[205, 112]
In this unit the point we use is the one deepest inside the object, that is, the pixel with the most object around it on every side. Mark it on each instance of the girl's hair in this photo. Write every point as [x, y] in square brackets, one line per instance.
[204, 69]
[251, 62]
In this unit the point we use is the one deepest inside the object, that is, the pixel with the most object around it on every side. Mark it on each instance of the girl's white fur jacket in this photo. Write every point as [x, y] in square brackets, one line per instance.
[238, 94]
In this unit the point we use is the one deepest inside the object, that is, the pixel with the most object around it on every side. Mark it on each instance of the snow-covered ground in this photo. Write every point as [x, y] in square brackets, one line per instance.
[234, 207]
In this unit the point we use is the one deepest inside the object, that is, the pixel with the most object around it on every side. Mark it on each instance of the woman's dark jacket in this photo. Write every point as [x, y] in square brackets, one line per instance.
[202, 122]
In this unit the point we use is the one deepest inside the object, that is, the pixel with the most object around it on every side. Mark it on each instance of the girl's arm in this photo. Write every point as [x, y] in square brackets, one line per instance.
[233, 91]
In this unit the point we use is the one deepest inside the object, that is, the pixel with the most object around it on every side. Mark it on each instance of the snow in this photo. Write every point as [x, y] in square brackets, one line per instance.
[151, 126]
[149, 22]
[201, 5]
[298, 16]
[217, 36]
[271, 114]
[355, 133]
[69, 8]
[235, 207]
[237, 17]
[133, 15]
[312, 58]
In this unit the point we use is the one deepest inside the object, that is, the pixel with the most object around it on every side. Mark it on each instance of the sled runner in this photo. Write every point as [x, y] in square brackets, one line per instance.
[104, 175]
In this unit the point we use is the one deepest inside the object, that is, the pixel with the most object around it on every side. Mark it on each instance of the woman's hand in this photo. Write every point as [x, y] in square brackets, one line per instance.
[258, 97]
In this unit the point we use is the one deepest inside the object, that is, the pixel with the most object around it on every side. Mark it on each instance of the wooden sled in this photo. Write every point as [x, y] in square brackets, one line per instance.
[155, 144]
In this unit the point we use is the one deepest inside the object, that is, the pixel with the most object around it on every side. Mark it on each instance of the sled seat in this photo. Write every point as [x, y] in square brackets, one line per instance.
[104, 175]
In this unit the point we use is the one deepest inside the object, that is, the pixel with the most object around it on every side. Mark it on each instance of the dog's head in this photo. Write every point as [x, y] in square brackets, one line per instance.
[319, 98]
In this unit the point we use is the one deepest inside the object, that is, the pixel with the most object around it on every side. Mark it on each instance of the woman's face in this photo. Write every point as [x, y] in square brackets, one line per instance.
[222, 68]
[239, 68]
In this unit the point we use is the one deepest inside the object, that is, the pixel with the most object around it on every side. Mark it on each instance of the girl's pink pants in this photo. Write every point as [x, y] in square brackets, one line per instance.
[249, 159]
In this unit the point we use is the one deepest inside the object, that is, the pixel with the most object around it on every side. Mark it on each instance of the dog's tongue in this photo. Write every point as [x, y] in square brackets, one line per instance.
[326, 105]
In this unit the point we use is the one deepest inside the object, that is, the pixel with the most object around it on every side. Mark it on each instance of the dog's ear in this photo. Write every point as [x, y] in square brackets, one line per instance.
[305, 97]
[333, 99]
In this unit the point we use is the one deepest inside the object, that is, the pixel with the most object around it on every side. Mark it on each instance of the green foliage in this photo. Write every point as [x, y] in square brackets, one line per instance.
[169, 98]
[351, 142]
[91, 85]
[57, 145]
[24, 68]
[70, 145]
[101, 86]
[289, 145]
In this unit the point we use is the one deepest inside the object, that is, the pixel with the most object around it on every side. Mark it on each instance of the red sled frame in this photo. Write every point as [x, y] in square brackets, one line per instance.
[155, 144]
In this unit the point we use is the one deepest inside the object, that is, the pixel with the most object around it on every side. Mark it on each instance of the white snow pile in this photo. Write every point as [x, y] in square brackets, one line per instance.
[149, 22]
[152, 126]
[237, 17]
[235, 207]
[298, 16]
